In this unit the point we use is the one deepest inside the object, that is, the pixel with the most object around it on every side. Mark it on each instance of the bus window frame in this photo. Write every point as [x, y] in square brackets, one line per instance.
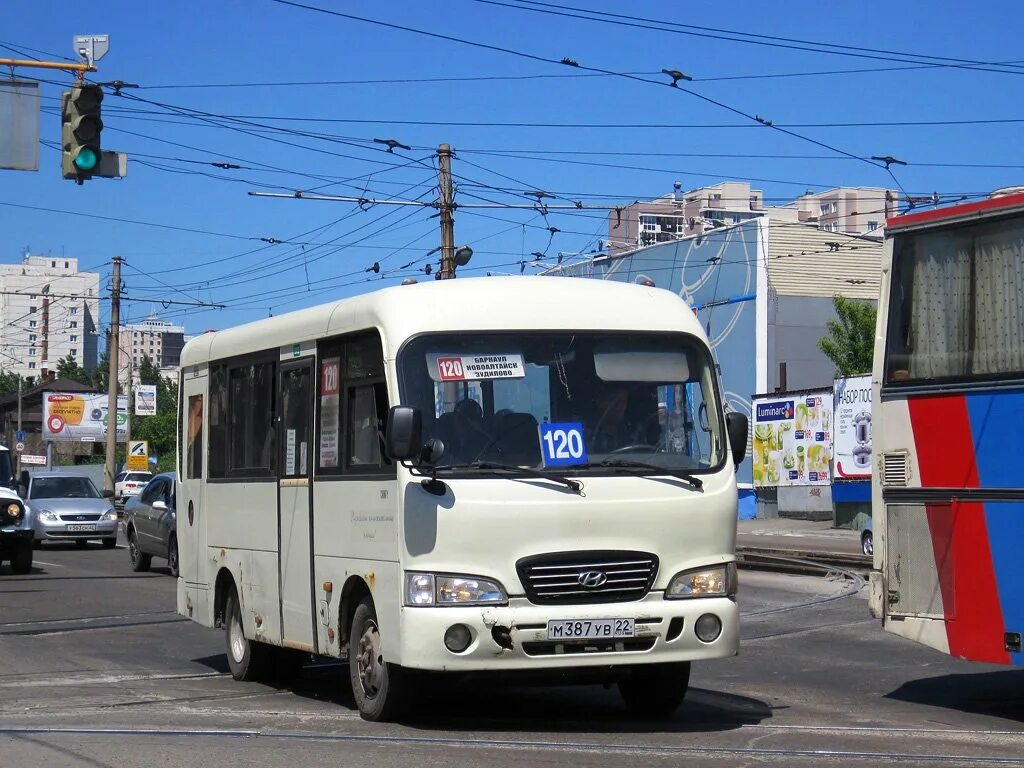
[338, 347]
[896, 389]
[230, 475]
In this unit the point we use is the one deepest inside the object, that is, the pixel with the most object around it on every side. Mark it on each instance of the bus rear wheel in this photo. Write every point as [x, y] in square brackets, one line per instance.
[655, 691]
[247, 659]
[382, 691]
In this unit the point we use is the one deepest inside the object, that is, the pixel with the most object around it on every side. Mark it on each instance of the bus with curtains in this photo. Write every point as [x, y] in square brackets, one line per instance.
[948, 493]
[515, 475]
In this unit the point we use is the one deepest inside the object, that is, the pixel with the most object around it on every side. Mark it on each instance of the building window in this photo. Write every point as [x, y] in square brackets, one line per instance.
[753, 201]
[73, 338]
[32, 309]
[31, 365]
[32, 352]
[67, 265]
[716, 196]
[53, 264]
[74, 351]
[827, 208]
[74, 324]
[31, 337]
[872, 226]
[31, 323]
[74, 310]
[32, 296]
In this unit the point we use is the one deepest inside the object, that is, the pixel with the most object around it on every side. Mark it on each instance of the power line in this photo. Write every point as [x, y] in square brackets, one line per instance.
[773, 41]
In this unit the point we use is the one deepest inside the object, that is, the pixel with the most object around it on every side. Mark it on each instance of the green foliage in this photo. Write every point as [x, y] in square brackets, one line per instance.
[68, 368]
[161, 430]
[100, 375]
[850, 341]
[8, 383]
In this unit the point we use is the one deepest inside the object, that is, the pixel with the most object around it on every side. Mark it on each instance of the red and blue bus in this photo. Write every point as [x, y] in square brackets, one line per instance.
[948, 428]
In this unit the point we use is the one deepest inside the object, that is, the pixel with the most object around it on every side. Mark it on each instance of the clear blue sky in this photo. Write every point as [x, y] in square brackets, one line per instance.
[258, 41]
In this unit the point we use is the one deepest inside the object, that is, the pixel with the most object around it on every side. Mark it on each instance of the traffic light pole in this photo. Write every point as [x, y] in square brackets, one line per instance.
[113, 348]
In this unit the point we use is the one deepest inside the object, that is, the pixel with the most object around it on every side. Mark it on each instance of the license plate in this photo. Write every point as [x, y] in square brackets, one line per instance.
[590, 629]
[81, 528]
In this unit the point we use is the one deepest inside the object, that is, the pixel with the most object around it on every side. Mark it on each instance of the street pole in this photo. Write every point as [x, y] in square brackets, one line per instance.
[18, 468]
[128, 420]
[444, 175]
[113, 349]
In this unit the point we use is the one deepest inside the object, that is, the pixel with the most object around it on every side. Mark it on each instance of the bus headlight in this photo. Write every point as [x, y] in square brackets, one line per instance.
[448, 589]
[714, 581]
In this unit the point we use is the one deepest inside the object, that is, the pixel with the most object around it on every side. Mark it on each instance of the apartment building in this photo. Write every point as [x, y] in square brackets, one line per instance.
[48, 310]
[851, 210]
[154, 338]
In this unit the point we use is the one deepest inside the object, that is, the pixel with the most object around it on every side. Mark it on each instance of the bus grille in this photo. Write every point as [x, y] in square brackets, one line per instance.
[895, 469]
[566, 578]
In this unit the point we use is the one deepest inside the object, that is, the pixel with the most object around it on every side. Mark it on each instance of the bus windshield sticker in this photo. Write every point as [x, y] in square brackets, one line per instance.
[289, 457]
[477, 367]
[330, 409]
[562, 444]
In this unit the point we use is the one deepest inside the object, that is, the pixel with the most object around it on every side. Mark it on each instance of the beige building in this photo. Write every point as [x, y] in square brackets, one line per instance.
[154, 338]
[48, 310]
[851, 210]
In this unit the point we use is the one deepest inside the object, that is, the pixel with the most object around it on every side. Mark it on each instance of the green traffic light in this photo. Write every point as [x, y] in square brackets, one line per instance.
[86, 159]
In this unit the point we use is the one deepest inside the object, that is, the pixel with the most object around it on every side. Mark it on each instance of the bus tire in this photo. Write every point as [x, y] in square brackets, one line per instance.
[655, 691]
[381, 690]
[247, 659]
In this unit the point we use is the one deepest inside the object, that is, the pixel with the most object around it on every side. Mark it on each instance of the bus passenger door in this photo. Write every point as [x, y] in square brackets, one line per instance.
[191, 529]
[295, 506]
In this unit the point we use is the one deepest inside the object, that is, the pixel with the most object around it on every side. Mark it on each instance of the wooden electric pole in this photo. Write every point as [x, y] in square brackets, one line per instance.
[444, 175]
[113, 348]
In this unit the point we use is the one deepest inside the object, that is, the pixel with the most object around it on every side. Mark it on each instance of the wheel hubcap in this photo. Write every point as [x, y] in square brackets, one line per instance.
[133, 548]
[237, 637]
[369, 662]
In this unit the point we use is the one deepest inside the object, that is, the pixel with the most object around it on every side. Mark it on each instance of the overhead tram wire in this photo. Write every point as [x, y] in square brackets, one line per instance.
[774, 41]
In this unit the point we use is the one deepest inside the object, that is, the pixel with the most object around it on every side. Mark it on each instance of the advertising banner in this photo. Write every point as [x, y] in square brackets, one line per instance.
[145, 400]
[80, 416]
[852, 448]
[792, 440]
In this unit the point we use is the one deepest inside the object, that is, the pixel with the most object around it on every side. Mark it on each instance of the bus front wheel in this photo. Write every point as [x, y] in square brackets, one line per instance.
[381, 690]
[246, 658]
[655, 691]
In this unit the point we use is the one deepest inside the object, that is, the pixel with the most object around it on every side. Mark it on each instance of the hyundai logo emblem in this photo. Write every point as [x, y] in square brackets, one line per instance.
[592, 579]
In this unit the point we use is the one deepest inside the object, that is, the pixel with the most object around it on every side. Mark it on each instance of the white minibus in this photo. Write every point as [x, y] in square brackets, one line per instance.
[492, 475]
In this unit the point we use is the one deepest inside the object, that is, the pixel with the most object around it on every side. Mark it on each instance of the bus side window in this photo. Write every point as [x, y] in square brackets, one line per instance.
[194, 448]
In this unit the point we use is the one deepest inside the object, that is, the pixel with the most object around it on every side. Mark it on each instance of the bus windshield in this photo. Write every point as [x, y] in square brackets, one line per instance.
[956, 305]
[641, 397]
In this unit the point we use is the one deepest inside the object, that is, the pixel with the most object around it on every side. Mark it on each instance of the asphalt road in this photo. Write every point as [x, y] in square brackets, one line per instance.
[97, 670]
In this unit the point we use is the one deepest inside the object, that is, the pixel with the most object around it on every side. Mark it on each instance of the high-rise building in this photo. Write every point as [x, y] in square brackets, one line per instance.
[48, 311]
[154, 338]
[850, 210]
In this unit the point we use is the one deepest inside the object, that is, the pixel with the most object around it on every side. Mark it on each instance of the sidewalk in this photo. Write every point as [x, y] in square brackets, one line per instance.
[801, 537]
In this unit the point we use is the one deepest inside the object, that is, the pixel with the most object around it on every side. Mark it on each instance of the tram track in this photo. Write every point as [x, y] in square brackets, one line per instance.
[528, 745]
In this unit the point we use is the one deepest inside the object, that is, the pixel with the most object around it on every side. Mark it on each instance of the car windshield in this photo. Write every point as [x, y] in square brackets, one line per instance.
[641, 397]
[6, 473]
[138, 477]
[63, 488]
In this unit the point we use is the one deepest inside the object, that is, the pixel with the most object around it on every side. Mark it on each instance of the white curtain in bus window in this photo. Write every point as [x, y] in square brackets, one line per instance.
[999, 300]
[330, 411]
[364, 438]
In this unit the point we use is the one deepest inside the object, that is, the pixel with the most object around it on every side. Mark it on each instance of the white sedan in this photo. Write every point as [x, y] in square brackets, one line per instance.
[128, 484]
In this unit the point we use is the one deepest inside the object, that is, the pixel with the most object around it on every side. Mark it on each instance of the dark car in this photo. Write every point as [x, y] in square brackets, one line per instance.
[151, 525]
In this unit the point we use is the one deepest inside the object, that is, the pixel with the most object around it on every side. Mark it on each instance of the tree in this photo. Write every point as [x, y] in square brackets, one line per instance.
[161, 431]
[8, 383]
[68, 368]
[100, 375]
[850, 341]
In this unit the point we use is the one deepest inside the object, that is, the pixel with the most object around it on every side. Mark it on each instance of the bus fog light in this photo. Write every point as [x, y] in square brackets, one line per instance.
[708, 628]
[457, 638]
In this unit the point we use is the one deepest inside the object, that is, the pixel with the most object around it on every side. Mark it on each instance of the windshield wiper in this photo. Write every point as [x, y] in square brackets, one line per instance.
[574, 485]
[696, 482]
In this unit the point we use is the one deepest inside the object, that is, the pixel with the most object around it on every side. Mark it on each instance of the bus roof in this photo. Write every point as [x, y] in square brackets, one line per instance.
[483, 303]
[954, 213]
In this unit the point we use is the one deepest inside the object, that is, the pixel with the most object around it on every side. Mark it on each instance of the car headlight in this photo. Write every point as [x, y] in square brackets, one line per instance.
[110, 514]
[713, 581]
[14, 510]
[447, 589]
[47, 516]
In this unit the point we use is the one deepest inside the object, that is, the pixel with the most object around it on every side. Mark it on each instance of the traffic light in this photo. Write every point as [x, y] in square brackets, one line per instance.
[80, 132]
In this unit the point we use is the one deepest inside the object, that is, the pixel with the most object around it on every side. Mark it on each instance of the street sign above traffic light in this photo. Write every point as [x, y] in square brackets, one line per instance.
[81, 127]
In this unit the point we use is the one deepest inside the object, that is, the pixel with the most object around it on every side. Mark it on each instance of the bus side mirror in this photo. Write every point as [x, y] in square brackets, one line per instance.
[738, 427]
[403, 437]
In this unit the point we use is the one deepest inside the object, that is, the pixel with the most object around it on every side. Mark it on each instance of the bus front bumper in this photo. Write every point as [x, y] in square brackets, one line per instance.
[516, 636]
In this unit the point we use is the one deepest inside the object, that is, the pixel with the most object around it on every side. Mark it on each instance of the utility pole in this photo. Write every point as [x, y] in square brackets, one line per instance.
[113, 348]
[131, 406]
[46, 334]
[18, 468]
[444, 175]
